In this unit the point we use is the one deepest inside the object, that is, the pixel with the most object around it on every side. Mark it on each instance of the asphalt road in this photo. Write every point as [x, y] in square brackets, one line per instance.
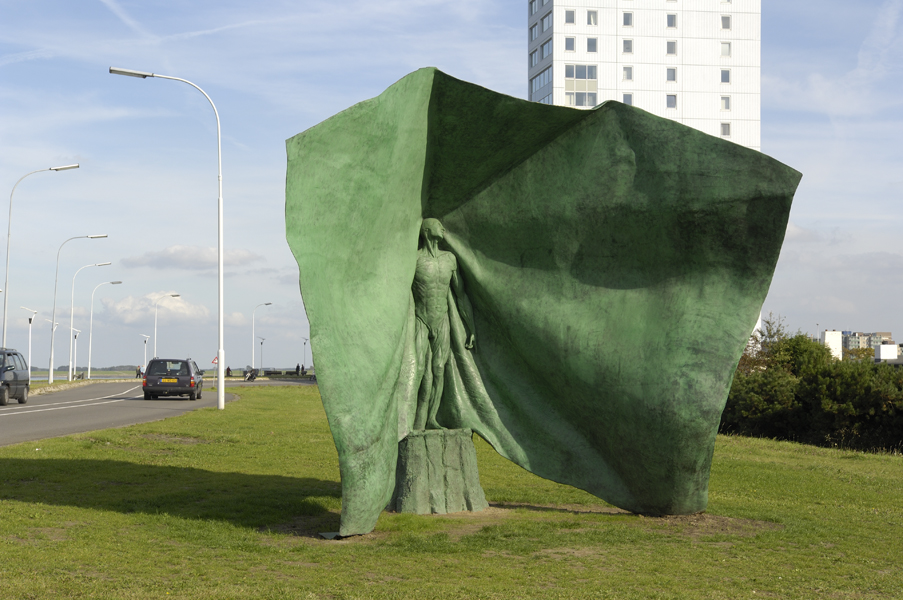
[96, 406]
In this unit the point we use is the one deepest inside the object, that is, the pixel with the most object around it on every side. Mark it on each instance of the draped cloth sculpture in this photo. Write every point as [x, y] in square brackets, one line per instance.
[615, 262]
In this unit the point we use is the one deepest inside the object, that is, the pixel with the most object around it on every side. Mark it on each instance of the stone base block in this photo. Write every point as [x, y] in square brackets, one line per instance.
[437, 473]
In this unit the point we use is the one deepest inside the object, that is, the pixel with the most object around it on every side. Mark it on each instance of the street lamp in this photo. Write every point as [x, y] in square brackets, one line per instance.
[146, 337]
[75, 336]
[261, 350]
[220, 353]
[155, 320]
[72, 310]
[91, 326]
[9, 230]
[55, 280]
[304, 355]
[30, 319]
[252, 330]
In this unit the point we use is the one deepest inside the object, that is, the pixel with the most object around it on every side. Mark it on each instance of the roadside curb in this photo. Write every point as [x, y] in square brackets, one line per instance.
[73, 384]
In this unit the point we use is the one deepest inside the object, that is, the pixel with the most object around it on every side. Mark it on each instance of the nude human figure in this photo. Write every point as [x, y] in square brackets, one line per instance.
[437, 271]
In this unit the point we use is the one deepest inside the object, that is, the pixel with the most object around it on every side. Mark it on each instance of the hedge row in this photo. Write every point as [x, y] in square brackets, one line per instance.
[798, 392]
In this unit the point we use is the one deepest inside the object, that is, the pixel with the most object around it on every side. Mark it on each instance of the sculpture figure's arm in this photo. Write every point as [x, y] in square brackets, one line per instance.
[465, 309]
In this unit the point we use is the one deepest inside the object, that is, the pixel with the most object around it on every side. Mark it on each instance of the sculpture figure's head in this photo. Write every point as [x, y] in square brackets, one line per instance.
[431, 229]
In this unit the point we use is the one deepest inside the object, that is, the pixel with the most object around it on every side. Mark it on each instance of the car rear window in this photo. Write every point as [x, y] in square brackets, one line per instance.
[168, 367]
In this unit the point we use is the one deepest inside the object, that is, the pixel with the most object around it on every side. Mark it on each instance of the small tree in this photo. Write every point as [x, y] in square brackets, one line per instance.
[858, 354]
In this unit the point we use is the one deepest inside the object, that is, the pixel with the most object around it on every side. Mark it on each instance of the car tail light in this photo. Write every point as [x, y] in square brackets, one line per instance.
[144, 381]
[192, 382]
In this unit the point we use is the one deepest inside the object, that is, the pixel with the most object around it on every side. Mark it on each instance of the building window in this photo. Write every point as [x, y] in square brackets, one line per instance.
[580, 85]
[628, 73]
[534, 6]
[546, 49]
[725, 48]
[546, 100]
[544, 2]
[592, 17]
[725, 21]
[580, 72]
[671, 74]
[628, 99]
[591, 44]
[628, 19]
[570, 44]
[547, 22]
[725, 75]
[725, 130]
[541, 80]
[725, 102]
[672, 21]
[586, 99]
[628, 46]
[534, 58]
[672, 48]
[570, 17]
[534, 32]
[671, 100]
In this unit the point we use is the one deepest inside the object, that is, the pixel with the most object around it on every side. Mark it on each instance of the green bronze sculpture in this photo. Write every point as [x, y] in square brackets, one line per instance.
[436, 284]
[614, 262]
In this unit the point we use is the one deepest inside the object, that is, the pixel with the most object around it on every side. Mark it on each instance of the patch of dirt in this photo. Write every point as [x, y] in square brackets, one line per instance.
[570, 553]
[37, 535]
[173, 439]
[308, 526]
[702, 525]
[575, 509]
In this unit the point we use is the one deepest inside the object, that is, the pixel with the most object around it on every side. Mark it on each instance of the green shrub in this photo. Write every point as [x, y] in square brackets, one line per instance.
[790, 387]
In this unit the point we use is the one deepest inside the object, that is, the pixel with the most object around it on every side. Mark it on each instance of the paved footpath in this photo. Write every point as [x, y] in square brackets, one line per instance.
[93, 407]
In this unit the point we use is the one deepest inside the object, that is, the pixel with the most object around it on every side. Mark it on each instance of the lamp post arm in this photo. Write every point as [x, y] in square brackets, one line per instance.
[9, 230]
[221, 358]
[56, 278]
[220, 354]
[91, 326]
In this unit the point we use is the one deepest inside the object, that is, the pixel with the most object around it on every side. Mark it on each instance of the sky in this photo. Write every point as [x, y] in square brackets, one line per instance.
[831, 108]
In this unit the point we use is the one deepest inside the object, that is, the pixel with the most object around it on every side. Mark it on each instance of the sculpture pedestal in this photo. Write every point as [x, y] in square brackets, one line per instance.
[437, 473]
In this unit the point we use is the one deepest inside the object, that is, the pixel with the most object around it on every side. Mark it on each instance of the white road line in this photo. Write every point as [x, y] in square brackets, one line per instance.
[24, 409]
[28, 412]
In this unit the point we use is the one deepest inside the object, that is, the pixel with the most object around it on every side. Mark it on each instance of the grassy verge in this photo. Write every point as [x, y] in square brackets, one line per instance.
[227, 504]
[39, 388]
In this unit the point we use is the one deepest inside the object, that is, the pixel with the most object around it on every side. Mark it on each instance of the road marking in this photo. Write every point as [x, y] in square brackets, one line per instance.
[28, 412]
[24, 409]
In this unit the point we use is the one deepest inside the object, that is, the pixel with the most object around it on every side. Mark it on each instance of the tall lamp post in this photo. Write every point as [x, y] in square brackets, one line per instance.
[75, 333]
[220, 353]
[91, 326]
[72, 312]
[56, 278]
[261, 351]
[252, 330]
[9, 230]
[304, 354]
[144, 366]
[30, 321]
[155, 320]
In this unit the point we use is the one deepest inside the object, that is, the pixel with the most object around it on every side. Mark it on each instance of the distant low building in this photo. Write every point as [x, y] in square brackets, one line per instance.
[887, 352]
[854, 340]
[833, 340]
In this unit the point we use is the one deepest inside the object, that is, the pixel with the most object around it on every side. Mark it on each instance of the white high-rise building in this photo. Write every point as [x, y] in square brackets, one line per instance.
[697, 62]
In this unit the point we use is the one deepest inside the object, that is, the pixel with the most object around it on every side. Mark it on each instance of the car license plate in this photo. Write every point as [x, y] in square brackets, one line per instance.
[169, 380]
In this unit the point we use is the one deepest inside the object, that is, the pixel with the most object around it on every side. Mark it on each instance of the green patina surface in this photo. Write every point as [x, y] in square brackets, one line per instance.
[616, 263]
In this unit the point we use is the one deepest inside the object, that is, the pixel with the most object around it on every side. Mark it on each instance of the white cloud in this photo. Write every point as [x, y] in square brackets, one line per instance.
[235, 319]
[798, 235]
[861, 91]
[191, 258]
[135, 309]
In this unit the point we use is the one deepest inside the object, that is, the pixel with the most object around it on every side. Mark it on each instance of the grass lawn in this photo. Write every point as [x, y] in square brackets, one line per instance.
[227, 504]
